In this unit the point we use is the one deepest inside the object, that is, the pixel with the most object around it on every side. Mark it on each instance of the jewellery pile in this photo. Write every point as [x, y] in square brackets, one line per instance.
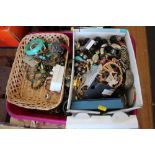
[102, 68]
[45, 66]
[41, 57]
[62, 108]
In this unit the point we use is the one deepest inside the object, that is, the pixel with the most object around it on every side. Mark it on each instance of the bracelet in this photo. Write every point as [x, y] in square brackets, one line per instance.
[34, 47]
[107, 68]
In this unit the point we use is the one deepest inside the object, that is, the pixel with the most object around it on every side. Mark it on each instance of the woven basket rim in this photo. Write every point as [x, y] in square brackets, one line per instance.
[13, 67]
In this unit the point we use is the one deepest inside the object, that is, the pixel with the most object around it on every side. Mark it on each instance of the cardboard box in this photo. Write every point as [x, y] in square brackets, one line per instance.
[86, 119]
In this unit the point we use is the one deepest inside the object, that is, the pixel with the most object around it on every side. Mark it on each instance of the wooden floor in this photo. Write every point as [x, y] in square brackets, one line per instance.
[145, 115]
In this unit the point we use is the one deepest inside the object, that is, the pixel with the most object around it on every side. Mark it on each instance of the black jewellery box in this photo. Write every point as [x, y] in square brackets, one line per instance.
[105, 87]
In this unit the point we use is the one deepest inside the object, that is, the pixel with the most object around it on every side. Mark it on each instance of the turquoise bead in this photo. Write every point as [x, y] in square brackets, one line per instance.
[78, 58]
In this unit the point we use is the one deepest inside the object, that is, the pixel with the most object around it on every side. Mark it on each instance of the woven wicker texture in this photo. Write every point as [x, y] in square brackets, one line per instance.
[19, 91]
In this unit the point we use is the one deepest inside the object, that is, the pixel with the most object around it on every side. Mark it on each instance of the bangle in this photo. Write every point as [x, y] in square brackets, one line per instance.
[34, 47]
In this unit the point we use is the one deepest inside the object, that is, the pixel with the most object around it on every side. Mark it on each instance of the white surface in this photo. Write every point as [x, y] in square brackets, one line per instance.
[119, 120]
[57, 79]
[108, 91]
[91, 75]
[134, 69]
[90, 44]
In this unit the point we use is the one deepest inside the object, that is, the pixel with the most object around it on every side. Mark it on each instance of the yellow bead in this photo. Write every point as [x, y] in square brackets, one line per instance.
[72, 29]
[78, 45]
[102, 108]
[75, 83]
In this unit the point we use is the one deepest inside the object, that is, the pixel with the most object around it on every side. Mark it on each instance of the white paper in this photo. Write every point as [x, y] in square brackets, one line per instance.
[107, 91]
[91, 75]
[90, 44]
[57, 79]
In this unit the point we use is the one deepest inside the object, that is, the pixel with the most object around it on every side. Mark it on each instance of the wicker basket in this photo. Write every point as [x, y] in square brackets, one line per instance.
[19, 91]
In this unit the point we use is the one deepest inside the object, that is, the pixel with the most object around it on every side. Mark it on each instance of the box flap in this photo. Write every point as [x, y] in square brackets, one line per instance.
[119, 120]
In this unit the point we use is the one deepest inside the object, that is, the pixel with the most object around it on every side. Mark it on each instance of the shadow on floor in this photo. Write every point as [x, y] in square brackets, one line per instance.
[151, 49]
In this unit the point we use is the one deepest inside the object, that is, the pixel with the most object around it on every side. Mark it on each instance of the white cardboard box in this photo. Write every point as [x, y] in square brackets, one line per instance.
[84, 119]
